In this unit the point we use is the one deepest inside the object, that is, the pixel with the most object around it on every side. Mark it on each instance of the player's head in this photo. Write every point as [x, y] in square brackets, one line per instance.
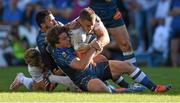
[58, 37]
[33, 58]
[45, 19]
[87, 19]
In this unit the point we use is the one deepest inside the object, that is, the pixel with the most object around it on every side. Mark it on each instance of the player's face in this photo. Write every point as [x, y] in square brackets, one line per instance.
[64, 40]
[88, 25]
[50, 21]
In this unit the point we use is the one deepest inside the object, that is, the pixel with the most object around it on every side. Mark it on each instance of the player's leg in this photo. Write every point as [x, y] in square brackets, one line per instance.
[123, 67]
[96, 85]
[63, 80]
[19, 80]
[121, 36]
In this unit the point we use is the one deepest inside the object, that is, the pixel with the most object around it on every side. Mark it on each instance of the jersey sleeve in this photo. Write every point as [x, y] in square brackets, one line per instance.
[64, 57]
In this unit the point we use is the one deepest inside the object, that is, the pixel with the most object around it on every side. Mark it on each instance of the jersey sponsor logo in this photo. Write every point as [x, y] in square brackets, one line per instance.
[117, 15]
[64, 55]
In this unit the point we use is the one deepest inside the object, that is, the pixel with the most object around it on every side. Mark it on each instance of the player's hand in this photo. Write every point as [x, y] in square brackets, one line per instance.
[57, 71]
[83, 48]
[97, 45]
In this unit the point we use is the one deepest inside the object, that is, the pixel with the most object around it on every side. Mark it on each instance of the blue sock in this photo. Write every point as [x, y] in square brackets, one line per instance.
[121, 82]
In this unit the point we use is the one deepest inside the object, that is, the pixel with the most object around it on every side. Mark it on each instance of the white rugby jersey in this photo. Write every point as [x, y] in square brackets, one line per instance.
[36, 73]
[79, 36]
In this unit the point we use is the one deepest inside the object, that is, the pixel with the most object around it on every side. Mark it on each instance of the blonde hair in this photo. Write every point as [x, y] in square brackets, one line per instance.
[33, 57]
[87, 14]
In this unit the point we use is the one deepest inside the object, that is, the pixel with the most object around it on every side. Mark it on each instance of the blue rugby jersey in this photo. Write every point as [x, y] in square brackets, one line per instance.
[63, 57]
[40, 40]
[46, 57]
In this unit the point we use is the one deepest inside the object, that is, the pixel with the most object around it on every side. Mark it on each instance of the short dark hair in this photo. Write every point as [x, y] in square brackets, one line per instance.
[33, 58]
[86, 14]
[53, 34]
[40, 16]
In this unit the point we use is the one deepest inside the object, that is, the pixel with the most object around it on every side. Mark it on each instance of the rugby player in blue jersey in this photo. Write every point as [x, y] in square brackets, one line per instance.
[110, 15]
[87, 76]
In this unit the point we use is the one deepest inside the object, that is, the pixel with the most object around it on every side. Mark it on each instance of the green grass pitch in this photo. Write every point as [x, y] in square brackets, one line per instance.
[161, 75]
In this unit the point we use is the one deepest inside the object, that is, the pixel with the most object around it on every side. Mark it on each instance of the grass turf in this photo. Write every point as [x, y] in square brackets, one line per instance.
[160, 75]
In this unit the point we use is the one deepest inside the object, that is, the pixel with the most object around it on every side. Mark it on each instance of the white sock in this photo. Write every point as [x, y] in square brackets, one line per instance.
[138, 75]
[27, 82]
[63, 80]
[60, 79]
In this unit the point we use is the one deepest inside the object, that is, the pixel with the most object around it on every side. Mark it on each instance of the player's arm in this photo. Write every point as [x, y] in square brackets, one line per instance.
[82, 63]
[102, 35]
[72, 25]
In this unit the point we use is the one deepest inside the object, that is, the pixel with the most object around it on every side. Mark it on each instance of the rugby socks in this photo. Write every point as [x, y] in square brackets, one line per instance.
[130, 57]
[60, 79]
[121, 82]
[111, 90]
[27, 82]
[140, 77]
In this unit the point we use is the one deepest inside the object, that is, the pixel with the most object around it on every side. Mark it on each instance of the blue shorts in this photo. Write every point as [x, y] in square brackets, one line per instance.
[106, 17]
[100, 71]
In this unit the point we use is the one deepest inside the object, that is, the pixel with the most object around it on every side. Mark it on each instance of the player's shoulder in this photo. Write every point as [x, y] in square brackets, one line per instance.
[99, 24]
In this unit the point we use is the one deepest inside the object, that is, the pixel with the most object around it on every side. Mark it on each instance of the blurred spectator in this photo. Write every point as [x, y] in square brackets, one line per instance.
[159, 48]
[19, 45]
[30, 32]
[11, 14]
[162, 11]
[175, 36]
[5, 2]
[21, 5]
[27, 15]
[7, 51]
[27, 28]
[1, 12]
[46, 4]
[3, 42]
[143, 13]
[78, 5]
[2, 60]
[63, 10]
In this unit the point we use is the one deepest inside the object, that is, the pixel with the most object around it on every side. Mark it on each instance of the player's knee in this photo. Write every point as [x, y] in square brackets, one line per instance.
[96, 85]
[129, 68]
[125, 45]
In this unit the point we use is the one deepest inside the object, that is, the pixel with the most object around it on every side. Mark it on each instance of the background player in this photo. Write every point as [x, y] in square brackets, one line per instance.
[110, 15]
